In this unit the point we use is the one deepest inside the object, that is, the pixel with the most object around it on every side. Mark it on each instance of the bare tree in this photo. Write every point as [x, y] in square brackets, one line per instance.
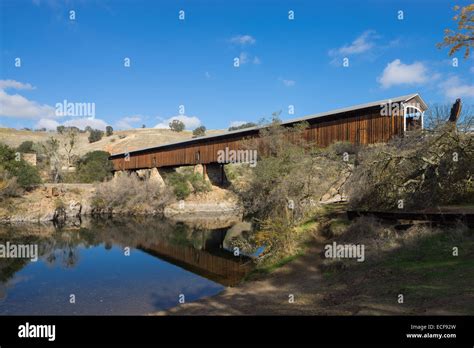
[51, 149]
[437, 115]
[69, 144]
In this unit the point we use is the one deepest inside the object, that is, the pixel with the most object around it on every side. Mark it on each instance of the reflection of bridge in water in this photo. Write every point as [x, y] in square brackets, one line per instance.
[220, 266]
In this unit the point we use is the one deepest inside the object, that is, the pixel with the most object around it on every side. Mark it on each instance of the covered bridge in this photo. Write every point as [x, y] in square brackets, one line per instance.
[368, 123]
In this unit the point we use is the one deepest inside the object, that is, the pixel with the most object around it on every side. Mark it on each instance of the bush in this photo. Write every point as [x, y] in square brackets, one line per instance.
[95, 135]
[26, 147]
[199, 132]
[242, 126]
[25, 174]
[109, 131]
[341, 147]
[288, 174]
[8, 185]
[94, 167]
[129, 193]
[185, 183]
[181, 187]
[421, 171]
[176, 126]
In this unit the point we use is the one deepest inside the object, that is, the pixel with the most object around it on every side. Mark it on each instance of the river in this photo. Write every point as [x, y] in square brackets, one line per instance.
[117, 267]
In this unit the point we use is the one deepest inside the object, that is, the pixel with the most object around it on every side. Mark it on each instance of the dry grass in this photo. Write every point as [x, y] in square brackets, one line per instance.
[120, 141]
[130, 195]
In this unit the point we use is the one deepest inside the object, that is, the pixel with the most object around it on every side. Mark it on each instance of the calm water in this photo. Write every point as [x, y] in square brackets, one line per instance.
[88, 261]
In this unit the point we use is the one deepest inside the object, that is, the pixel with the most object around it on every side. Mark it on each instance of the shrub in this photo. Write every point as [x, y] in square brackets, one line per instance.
[8, 185]
[95, 135]
[199, 132]
[93, 167]
[26, 175]
[109, 131]
[199, 184]
[26, 147]
[341, 147]
[421, 171]
[279, 238]
[287, 174]
[185, 183]
[128, 192]
[181, 187]
[242, 126]
[176, 126]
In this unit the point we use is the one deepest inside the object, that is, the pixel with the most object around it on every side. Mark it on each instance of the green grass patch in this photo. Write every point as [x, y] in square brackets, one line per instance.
[260, 271]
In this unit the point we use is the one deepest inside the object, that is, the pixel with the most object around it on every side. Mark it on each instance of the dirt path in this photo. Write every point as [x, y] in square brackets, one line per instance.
[357, 291]
[269, 296]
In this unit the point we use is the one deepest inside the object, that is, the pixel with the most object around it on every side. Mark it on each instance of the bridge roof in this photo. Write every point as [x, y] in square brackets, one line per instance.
[401, 99]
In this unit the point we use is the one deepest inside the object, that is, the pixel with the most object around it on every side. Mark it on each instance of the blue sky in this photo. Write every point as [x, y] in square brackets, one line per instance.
[190, 62]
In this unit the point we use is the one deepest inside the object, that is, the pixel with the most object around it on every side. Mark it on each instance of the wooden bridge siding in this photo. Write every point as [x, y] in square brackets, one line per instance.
[225, 268]
[367, 129]
[358, 129]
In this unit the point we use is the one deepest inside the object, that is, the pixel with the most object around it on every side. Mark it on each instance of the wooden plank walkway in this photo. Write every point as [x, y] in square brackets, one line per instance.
[437, 217]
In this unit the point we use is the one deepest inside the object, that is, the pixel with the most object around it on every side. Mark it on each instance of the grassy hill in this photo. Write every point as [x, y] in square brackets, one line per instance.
[120, 141]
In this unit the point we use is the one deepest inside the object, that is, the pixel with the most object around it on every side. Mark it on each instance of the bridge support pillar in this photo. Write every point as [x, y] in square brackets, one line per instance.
[216, 174]
[156, 177]
[201, 169]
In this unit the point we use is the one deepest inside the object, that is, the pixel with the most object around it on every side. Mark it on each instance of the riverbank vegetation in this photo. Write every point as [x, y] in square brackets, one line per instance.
[185, 182]
[286, 190]
[129, 195]
[16, 175]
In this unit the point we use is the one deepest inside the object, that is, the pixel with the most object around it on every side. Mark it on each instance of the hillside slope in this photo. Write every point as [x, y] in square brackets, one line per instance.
[120, 141]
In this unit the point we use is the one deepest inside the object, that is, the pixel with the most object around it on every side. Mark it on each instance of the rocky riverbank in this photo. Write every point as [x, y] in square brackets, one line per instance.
[68, 202]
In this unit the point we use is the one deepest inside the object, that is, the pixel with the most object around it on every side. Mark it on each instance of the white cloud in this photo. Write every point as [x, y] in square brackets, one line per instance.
[83, 122]
[361, 44]
[397, 73]
[190, 122]
[15, 105]
[256, 60]
[126, 122]
[288, 83]
[47, 123]
[208, 75]
[243, 40]
[237, 123]
[4, 84]
[454, 88]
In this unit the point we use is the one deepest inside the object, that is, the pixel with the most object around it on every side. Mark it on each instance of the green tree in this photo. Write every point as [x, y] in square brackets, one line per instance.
[242, 126]
[60, 129]
[109, 131]
[177, 126]
[26, 175]
[199, 132]
[95, 135]
[26, 147]
[94, 167]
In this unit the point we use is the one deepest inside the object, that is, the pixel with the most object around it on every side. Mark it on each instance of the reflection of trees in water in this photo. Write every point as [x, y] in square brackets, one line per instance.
[59, 246]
